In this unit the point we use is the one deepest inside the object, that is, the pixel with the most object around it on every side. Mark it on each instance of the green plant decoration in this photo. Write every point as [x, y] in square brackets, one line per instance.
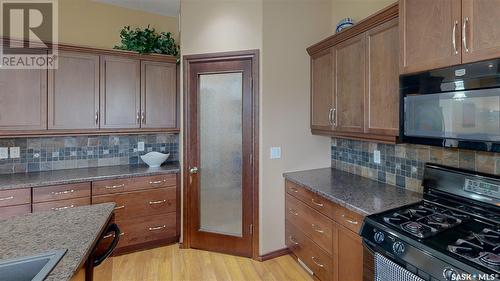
[147, 41]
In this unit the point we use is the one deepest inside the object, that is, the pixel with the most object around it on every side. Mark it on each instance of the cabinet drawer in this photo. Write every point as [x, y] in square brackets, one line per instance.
[11, 211]
[316, 226]
[315, 201]
[15, 197]
[146, 229]
[348, 218]
[314, 257]
[61, 192]
[132, 184]
[61, 204]
[141, 203]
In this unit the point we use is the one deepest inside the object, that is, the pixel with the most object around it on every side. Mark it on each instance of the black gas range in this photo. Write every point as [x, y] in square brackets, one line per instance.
[452, 234]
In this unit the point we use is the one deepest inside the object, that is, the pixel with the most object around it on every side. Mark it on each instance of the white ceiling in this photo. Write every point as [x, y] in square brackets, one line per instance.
[162, 7]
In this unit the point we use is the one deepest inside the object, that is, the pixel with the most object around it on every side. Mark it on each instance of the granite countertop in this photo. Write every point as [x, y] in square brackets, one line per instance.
[37, 179]
[359, 194]
[76, 230]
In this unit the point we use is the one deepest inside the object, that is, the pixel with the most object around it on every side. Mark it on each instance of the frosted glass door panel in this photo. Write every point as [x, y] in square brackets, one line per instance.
[220, 127]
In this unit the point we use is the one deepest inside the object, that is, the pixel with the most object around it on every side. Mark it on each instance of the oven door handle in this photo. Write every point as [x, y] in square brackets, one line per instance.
[116, 231]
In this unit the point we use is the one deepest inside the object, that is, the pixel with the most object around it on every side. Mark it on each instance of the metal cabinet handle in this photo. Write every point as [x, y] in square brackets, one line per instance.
[157, 202]
[63, 208]
[138, 117]
[293, 240]
[316, 262]
[157, 182]
[464, 34]
[97, 117]
[454, 38]
[115, 186]
[317, 228]
[293, 189]
[293, 212]
[193, 170]
[7, 198]
[334, 117]
[316, 203]
[157, 228]
[119, 207]
[143, 117]
[348, 220]
[330, 118]
[63, 192]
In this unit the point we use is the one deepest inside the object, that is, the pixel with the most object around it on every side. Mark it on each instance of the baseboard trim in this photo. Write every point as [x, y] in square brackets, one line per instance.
[274, 254]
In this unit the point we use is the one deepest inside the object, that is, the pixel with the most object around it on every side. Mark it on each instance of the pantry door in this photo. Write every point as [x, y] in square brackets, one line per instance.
[220, 161]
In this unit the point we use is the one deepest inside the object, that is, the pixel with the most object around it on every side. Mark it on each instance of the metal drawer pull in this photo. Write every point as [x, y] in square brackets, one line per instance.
[464, 34]
[157, 228]
[317, 228]
[316, 203]
[317, 263]
[7, 198]
[294, 189]
[157, 202]
[115, 186]
[293, 240]
[348, 220]
[119, 207]
[63, 208]
[293, 212]
[157, 182]
[63, 192]
[112, 235]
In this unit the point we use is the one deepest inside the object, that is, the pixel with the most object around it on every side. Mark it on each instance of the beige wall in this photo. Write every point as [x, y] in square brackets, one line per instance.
[289, 27]
[356, 9]
[88, 23]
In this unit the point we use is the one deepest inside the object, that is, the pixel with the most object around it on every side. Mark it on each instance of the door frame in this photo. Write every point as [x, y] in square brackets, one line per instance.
[253, 55]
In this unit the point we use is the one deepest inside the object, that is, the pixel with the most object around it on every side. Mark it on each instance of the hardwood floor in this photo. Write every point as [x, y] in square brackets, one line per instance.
[172, 263]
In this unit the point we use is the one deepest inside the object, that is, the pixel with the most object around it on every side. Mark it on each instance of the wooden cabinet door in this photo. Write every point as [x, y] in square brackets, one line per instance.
[382, 85]
[428, 30]
[120, 92]
[349, 85]
[322, 90]
[349, 261]
[159, 95]
[74, 92]
[23, 99]
[481, 30]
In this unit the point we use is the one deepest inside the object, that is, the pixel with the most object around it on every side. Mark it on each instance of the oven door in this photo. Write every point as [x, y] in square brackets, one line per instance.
[388, 270]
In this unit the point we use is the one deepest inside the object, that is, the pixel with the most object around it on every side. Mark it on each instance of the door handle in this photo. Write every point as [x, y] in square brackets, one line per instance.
[464, 34]
[193, 170]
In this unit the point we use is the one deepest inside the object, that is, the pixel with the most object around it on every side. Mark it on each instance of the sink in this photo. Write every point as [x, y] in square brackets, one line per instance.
[30, 268]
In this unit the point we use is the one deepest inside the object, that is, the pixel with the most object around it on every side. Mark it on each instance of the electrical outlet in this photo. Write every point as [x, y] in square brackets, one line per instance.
[275, 152]
[15, 152]
[140, 146]
[4, 152]
[376, 156]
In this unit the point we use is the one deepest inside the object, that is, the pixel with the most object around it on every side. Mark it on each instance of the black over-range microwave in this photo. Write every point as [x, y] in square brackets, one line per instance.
[453, 107]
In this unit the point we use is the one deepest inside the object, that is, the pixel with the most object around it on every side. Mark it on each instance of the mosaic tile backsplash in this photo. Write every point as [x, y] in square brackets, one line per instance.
[403, 164]
[57, 153]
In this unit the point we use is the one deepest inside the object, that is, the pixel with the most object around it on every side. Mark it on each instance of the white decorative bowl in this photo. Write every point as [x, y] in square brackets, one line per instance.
[154, 159]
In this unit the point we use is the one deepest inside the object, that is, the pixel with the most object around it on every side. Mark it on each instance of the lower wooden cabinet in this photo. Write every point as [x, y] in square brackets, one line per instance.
[15, 202]
[328, 245]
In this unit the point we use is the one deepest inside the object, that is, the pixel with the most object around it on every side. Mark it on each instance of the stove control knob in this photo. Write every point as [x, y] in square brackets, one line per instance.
[449, 273]
[379, 237]
[398, 247]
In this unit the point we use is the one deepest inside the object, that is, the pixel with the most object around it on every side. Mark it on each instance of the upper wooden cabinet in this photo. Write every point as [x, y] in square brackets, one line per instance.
[23, 100]
[321, 86]
[120, 93]
[382, 81]
[355, 90]
[73, 97]
[348, 113]
[429, 34]
[442, 33]
[158, 95]
[481, 30]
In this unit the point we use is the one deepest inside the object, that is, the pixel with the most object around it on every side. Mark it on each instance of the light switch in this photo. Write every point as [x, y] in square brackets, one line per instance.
[376, 156]
[4, 152]
[15, 152]
[275, 152]
[140, 146]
